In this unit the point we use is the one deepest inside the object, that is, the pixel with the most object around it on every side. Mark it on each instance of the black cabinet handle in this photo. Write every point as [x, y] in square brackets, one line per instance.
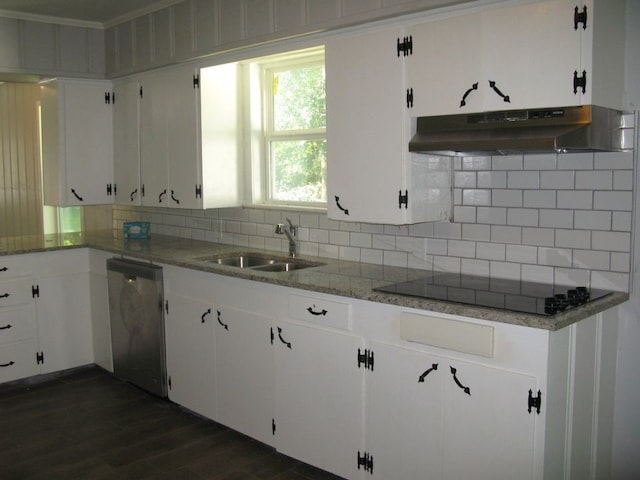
[427, 372]
[208, 312]
[340, 207]
[466, 390]
[174, 198]
[76, 195]
[317, 312]
[505, 98]
[132, 195]
[7, 364]
[463, 102]
[288, 344]
[4, 295]
[3, 269]
[226, 327]
[6, 327]
[162, 194]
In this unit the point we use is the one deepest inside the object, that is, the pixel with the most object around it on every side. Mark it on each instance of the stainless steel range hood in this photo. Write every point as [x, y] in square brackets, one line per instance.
[564, 129]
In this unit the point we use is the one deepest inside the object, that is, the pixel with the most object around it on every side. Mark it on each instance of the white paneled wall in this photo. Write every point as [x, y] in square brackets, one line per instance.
[553, 218]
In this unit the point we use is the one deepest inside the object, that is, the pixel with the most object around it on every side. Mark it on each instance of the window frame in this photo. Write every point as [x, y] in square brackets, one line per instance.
[263, 71]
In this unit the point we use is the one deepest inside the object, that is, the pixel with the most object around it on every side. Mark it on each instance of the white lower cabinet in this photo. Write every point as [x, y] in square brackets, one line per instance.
[319, 389]
[245, 389]
[190, 342]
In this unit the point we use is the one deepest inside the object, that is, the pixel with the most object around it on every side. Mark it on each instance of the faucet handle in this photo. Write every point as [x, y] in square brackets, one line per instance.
[280, 228]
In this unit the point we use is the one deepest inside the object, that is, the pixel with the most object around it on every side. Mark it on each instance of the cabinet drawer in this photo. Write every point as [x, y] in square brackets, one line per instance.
[16, 292]
[12, 266]
[318, 311]
[17, 324]
[465, 337]
[17, 360]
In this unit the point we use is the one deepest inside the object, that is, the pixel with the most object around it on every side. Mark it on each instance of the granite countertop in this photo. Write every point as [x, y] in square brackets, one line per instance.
[335, 277]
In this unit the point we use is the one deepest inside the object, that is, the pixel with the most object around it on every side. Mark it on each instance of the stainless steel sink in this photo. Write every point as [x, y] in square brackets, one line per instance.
[260, 261]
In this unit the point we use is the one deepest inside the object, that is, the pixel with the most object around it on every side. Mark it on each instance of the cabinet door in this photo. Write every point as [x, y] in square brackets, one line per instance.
[183, 133]
[404, 403]
[531, 52]
[245, 372]
[319, 391]
[126, 142]
[190, 340]
[365, 103]
[88, 130]
[488, 432]
[64, 321]
[445, 69]
[18, 360]
[153, 141]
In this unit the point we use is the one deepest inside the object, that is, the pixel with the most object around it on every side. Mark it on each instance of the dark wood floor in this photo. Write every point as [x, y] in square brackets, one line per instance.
[86, 424]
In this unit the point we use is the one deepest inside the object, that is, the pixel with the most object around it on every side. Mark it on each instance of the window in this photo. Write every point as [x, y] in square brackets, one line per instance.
[292, 164]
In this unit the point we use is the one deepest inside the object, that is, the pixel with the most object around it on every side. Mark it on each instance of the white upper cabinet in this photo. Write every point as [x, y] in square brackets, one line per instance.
[77, 142]
[371, 177]
[177, 171]
[126, 142]
[532, 55]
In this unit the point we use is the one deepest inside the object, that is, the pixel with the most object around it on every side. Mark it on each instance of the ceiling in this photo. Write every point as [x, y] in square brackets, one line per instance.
[90, 11]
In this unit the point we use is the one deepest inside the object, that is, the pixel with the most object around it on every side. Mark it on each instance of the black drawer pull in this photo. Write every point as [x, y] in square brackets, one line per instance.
[317, 312]
[6, 327]
[7, 364]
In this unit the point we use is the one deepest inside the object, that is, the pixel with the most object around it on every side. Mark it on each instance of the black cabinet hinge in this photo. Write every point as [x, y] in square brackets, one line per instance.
[141, 92]
[109, 98]
[403, 199]
[534, 402]
[39, 358]
[273, 426]
[365, 358]
[409, 97]
[580, 17]
[109, 190]
[405, 46]
[142, 189]
[166, 306]
[35, 291]
[579, 82]
[365, 461]
[169, 382]
[196, 81]
[198, 191]
[272, 336]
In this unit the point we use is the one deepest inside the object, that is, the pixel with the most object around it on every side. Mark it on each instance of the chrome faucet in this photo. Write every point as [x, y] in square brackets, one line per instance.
[290, 232]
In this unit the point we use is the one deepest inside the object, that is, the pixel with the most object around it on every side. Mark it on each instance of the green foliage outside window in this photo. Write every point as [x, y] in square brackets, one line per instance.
[298, 149]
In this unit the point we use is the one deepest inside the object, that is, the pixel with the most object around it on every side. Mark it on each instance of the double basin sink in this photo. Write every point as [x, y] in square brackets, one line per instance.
[262, 262]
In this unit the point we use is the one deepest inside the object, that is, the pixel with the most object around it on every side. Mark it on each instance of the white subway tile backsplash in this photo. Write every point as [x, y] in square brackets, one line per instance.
[447, 230]
[611, 241]
[610, 281]
[476, 163]
[492, 215]
[541, 161]
[573, 238]
[373, 228]
[506, 198]
[623, 180]
[351, 254]
[522, 254]
[555, 180]
[384, 242]
[309, 220]
[479, 268]
[505, 270]
[537, 274]
[329, 251]
[541, 237]
[507, 162]
[318, 236]
[575, 161]
[404, 244]
[620, 262]
[557, 257]
[337, 237]
[461, 248]
[464, 179]
[594, 180]
[502, 234]
[368, 255]
[395, 259]
[256, 242]
[525, 179]
[464, 214]
[556, 218]
[446, 264]
[436, 246]
[614, 160]
[471, 196]
[479, 233]
[592, 220]
[420, 230]
[591, 259]
[571, 277]
[524, 217]
[616, 200]
[621, 221]
[539, 199]
[492, 179]
[363, 240]
[491, 251]
[575, 199]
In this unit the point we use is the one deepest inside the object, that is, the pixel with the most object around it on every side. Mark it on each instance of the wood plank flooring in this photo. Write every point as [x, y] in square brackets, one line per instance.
[86, 424]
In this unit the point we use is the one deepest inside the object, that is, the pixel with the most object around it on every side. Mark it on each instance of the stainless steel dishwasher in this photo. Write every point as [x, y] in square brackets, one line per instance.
[137, 324]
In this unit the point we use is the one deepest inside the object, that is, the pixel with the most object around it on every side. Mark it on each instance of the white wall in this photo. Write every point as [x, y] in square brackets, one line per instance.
[626, 441]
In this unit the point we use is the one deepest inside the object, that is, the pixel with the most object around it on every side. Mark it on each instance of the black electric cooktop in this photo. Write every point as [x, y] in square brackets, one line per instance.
[500, 293]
